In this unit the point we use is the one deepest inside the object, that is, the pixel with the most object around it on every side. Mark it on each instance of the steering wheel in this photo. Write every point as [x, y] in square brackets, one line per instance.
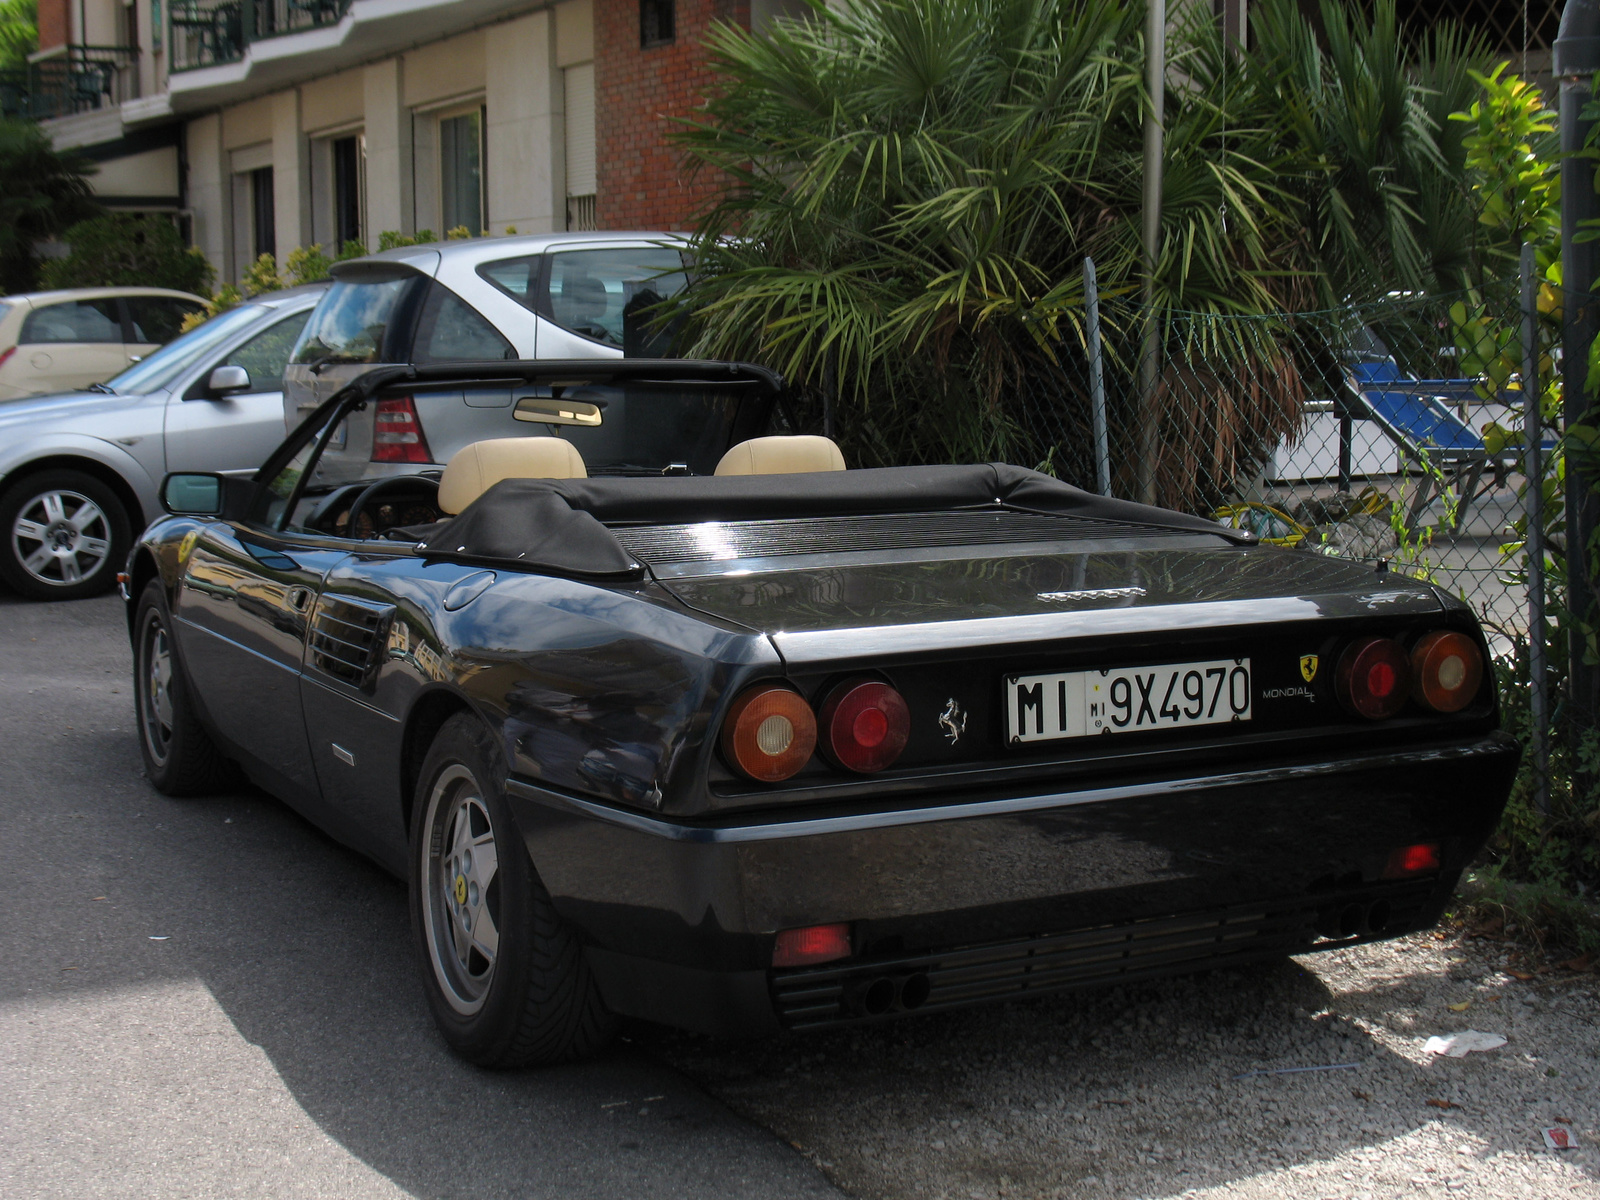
[353, 521]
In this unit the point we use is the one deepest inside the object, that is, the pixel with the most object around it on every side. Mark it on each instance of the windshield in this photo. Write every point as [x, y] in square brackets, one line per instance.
[176, 358]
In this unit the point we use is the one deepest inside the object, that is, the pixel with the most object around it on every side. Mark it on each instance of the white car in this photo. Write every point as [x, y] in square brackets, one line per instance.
[79, 471]
[62, 341]
[553, 295]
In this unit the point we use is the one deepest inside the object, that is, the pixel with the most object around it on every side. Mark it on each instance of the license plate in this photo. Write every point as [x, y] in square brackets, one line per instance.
[1126, 699]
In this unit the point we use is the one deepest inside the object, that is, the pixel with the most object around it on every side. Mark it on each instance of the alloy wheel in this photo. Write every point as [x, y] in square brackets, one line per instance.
[155, 688]
[461, 901]
[61, 537]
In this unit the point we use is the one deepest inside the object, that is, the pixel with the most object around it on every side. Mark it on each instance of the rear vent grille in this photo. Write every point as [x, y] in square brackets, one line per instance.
[712, 541]
[348, 637]
[1123, 953]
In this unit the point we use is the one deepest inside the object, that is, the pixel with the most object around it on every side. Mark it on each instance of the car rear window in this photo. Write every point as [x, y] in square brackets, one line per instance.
[355, 320]
[600, 294]
[73, 321]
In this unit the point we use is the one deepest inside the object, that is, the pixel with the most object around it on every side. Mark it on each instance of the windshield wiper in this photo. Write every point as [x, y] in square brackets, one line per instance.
[101, 387]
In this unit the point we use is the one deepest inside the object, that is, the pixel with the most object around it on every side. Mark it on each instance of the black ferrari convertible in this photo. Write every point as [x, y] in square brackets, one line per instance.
[667, 717]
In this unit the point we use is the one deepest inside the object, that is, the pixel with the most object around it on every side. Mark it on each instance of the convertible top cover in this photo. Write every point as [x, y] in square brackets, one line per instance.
[560, 525]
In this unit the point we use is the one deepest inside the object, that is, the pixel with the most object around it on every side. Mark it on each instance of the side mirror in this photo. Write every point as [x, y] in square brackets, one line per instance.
[193, 495]
[228, 379]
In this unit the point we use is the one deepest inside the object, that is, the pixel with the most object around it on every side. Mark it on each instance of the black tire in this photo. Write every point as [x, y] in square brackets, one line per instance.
[534, 1001]
[179, 756]
[64, 535]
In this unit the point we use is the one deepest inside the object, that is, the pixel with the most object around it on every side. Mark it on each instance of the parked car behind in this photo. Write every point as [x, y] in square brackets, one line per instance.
[564, 295]
[54, 341]
[79, 471]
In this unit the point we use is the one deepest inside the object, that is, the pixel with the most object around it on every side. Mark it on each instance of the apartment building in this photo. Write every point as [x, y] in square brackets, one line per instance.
[271, 124]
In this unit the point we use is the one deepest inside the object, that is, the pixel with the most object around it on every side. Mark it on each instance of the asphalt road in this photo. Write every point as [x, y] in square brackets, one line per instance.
[210, 998]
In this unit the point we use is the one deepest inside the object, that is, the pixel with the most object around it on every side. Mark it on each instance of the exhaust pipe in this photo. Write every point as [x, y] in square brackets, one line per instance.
[888, 993]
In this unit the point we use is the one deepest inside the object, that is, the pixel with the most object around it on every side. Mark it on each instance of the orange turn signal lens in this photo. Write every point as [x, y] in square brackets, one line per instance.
[1446, 671]
[1373, 678]
[770, 733]
[811, 945]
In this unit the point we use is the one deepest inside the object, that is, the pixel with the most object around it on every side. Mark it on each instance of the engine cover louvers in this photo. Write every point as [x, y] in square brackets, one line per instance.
[347, 639]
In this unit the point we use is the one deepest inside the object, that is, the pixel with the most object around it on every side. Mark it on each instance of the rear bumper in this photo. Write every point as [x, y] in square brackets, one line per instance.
[994, 894]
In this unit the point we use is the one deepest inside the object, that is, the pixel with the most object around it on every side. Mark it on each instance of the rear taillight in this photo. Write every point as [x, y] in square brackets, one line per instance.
[397, 435]
[1373, 678]
[811, 945]
[865, 724]
[770, 733]
[1446, 671]
[6, 354]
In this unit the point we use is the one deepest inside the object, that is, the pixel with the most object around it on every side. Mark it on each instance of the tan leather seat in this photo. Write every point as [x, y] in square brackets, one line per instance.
[782, 456]
[473, 470]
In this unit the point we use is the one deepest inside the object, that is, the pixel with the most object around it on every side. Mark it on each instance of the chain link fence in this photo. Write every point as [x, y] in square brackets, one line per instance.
[1388, 432]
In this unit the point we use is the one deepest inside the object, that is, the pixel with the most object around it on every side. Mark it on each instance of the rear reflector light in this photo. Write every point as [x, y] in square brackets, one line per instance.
[6, 354]
[1413, 860]
[865, 724]
[1373, 678]
[770, 733]
[811, 945]
[1446, 670]
[397, 435]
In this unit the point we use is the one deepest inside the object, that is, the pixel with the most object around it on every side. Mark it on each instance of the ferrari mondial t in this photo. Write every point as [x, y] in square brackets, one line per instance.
[664, 716]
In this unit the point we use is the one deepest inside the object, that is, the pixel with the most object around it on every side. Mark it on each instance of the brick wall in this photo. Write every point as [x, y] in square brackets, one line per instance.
[55, 24]
[642, 183]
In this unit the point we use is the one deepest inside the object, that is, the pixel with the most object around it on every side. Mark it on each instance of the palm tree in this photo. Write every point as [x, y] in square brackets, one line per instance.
[910, 188]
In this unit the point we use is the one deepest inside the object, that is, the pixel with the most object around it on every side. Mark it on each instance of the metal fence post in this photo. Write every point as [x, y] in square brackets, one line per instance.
[1533, 470]
[1097, 382]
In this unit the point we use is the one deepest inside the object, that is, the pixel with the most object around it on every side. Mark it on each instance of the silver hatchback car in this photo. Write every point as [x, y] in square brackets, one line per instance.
[551, 296]
[79, 472]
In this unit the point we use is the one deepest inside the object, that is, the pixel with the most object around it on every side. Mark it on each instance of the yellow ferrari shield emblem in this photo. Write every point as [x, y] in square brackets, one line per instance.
[1308, 667]
[461, 889]
[186, 547]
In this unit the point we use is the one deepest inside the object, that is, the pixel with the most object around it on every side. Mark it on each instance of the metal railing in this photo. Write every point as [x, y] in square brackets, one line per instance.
[84, 79]
[205, 33]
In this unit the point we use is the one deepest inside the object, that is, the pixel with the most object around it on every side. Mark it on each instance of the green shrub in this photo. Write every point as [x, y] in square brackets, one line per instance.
[122, 250]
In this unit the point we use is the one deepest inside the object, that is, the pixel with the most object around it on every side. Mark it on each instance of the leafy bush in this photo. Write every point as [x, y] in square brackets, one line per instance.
[123, 250]
[45, 192]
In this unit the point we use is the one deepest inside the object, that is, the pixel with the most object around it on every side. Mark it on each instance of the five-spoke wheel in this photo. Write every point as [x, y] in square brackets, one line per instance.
[179, 756]
[463, 913]
[65, 535]
[506, 978]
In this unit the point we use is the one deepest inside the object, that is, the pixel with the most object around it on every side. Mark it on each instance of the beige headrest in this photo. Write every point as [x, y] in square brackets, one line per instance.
[782, 456]
[475, 469]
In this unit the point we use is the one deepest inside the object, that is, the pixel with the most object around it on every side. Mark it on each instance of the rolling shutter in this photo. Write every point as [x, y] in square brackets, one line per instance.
[580, 130]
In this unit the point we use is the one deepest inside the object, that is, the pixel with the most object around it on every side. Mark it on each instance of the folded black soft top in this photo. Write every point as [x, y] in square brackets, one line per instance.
[560, 525]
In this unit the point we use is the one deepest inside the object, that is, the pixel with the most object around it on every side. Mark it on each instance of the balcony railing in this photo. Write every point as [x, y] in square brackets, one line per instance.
[208, 32]
[85, 78]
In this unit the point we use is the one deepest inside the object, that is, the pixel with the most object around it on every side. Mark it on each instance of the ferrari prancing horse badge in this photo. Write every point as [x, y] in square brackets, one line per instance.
[1308, 667]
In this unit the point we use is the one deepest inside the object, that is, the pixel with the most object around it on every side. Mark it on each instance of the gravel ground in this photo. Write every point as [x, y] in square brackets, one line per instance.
[1131, 1092]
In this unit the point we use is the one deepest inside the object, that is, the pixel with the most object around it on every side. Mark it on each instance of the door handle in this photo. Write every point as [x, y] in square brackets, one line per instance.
[300, 599]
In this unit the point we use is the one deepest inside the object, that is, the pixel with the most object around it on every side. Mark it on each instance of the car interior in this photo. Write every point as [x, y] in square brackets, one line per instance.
[402, 507]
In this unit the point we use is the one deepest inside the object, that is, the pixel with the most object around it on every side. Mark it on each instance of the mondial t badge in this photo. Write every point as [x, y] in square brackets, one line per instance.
[953, 720]
[1308, 667]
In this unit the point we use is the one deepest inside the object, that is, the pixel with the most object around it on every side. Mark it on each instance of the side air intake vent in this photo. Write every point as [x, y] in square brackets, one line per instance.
[348, 637]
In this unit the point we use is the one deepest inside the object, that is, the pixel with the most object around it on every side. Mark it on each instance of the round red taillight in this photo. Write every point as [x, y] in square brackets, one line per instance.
[770, 732]
[865, 724]
[1373, 678]
[1446, 671]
